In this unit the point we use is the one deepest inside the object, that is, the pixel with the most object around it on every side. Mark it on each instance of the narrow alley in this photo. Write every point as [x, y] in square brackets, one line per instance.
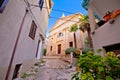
[59, 40]
[55, 69]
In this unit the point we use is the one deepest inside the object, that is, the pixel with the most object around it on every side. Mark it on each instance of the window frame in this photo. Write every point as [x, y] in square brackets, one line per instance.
[41, 2]
[60, 34]
[3, 5]
[71, 44]
[50, 48]
[33, 29]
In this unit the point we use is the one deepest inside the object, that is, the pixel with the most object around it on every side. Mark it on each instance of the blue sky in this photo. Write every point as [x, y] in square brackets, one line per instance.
[72, 6]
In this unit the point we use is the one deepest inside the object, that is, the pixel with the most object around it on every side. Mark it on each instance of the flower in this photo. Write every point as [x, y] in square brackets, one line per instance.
[78, 51]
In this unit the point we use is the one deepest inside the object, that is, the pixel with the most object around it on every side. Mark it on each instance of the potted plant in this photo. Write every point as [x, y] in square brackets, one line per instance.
[115, 13]
[107, 16]
[75, 53]
[44, 51]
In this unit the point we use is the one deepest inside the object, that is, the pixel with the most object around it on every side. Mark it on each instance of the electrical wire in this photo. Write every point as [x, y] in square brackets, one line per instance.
[58, 11]
[53, 9]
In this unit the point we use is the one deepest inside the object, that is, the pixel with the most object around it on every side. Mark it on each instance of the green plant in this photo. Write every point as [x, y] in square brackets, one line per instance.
[76, 52]
[85, 26]
[99, 50]
[76, 76]
[73, 29]
[85, 50]
[36, 70]
[39, 63]
[42, 61]
[25, 75]
[36, 64]
[95, 67]
[110, 53]
[71, 49]
[44, 51]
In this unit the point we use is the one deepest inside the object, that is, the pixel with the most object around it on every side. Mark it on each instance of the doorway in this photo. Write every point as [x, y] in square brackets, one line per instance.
[59, 48]
[16, 71]
[39, 47]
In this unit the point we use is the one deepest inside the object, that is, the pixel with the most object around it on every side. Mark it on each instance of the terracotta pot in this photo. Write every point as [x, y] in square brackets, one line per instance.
[107, 17]
[115, 14]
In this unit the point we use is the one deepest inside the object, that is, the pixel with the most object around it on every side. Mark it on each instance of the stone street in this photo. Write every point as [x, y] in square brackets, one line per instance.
[55, 69]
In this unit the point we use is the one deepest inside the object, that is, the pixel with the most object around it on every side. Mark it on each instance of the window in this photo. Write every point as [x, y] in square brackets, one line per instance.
[60, 34]
[51, 48]
[3, 3]
[41, 2]
[33, 30]
[71, 44]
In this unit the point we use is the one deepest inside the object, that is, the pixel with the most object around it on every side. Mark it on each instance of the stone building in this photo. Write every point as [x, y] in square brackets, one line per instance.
[60, 38]
[23, 24]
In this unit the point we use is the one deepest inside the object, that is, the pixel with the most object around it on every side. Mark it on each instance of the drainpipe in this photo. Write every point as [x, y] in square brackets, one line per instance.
[15, 46]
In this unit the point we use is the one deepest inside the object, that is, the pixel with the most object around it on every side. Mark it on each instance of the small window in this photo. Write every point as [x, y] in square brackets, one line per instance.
[3, 4]
[60, 34]
[33, 30]
[70, 44]
[41, 2]
[51, 48]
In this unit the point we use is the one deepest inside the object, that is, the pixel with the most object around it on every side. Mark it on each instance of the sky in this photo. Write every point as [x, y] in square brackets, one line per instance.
[64, 6]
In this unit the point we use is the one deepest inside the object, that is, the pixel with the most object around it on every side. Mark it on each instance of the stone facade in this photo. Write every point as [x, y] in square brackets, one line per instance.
[60, 38]
[22, 32]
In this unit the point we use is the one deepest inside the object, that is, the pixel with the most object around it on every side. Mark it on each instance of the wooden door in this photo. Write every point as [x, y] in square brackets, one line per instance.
[59, 48]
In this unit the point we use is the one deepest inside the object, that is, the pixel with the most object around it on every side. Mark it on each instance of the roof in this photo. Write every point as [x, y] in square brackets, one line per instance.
[63, 20]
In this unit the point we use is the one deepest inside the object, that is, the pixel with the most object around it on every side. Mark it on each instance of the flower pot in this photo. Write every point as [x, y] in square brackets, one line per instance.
[107, 17]
[115, 14]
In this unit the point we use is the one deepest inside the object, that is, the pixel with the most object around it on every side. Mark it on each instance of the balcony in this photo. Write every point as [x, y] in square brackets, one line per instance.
[107, 34]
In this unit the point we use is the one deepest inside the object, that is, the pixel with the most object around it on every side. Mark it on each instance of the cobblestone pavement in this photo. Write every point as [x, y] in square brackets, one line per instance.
[54, 69]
